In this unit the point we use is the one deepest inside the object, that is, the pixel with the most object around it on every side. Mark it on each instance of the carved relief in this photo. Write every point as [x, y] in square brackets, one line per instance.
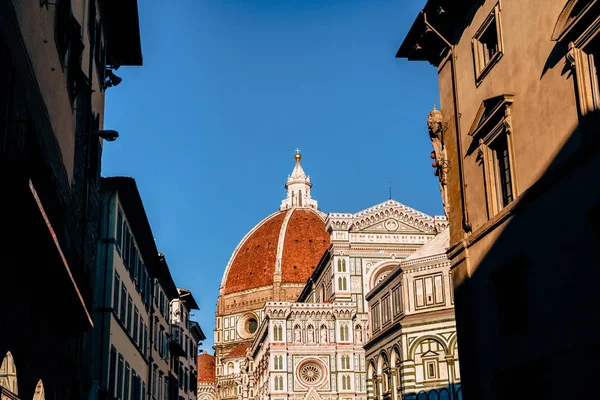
[441, 163]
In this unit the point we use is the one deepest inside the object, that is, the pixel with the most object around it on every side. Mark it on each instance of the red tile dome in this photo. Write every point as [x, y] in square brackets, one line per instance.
[289, 243]
[206, 368]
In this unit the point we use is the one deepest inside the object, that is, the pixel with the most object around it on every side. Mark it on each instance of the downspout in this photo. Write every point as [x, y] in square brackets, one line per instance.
[465, 216]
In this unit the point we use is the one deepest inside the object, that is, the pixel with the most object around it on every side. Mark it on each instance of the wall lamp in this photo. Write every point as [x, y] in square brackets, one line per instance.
[108, 135]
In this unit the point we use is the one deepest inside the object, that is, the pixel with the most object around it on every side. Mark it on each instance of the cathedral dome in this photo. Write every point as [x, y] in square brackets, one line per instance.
[288, 243]
[284, 248]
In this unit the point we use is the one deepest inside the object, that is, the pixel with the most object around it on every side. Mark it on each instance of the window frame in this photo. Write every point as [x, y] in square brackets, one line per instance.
[494, 119]
[481, 71]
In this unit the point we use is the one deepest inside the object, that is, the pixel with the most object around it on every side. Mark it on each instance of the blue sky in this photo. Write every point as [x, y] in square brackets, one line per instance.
[230, 88]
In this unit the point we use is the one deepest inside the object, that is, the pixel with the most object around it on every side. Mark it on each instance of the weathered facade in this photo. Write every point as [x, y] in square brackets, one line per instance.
[413, 353]
[53, 63]
[514, 144]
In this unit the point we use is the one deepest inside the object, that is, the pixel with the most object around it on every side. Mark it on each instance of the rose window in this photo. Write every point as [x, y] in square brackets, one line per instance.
[311, 373]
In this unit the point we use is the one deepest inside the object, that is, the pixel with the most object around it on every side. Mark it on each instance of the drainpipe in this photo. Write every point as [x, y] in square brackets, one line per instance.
[465, 216]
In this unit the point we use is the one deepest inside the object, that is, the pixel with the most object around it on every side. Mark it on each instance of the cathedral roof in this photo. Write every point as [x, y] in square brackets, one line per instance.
[206, 368]
[286, 246]
[238, 351]
[436, 246]
[288, 243]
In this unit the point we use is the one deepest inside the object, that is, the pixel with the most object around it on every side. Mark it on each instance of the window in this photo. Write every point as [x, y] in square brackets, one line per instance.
[429, 291]
[344, 333]
[278, 333]
[431, 368]
[575, 27]
[278, 362]
[279, 383]
[129, 312]
[120, 372]
[492, 130]
[345, 362]
[119, 224]
[112, 370]
[487, 45]
[116, 288]
[123, 313]
[345, 382]
[342, 283]
[145, 345]
[375, 316]
[341, 265]
[385, 309]
[135, 325]
[126, 386]
[397, 300]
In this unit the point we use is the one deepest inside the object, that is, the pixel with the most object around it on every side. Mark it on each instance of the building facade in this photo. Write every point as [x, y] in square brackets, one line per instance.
[413, 352]
[53, 62]
[514, 142]
[309, 342]
[185, 338]
[132, 301]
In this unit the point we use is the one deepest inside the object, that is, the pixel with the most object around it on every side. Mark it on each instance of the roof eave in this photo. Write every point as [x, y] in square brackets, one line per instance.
[123, 31]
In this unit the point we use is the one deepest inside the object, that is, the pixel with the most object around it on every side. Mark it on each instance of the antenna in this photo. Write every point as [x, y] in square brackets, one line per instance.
[390, 187]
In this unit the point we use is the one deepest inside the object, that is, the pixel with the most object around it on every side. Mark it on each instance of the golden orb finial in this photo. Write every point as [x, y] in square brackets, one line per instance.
[298, 156]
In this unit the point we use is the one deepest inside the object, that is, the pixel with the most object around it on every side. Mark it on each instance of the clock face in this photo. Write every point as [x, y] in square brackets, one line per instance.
[391, 225]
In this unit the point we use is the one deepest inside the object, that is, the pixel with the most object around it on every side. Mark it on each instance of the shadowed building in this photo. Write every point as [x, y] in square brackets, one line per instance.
[516, 174]
[131, 303]
[53, 76]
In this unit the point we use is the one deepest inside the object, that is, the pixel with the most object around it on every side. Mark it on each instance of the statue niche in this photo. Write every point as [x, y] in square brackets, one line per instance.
[436, 134]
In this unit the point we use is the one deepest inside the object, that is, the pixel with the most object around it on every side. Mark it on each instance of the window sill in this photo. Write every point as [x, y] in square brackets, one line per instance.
[485, 71]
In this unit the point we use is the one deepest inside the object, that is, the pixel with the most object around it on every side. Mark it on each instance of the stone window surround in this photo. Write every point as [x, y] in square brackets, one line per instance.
[584, 65]
[485, 136]
[482, 70]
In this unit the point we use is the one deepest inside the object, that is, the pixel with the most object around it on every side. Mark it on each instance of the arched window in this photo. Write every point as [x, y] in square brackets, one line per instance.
[230, 368]
[278, 333]
[300, 198]
[339, 265]
[342, 284]
[343, 265]
[8, 374]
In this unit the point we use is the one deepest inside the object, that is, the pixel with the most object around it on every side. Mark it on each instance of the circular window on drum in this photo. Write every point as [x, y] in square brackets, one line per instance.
[311, 373]
[247, 325]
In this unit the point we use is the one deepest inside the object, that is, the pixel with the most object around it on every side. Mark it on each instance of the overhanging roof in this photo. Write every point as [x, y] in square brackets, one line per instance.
[122, 24]
[186, 296]
[446, 16]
